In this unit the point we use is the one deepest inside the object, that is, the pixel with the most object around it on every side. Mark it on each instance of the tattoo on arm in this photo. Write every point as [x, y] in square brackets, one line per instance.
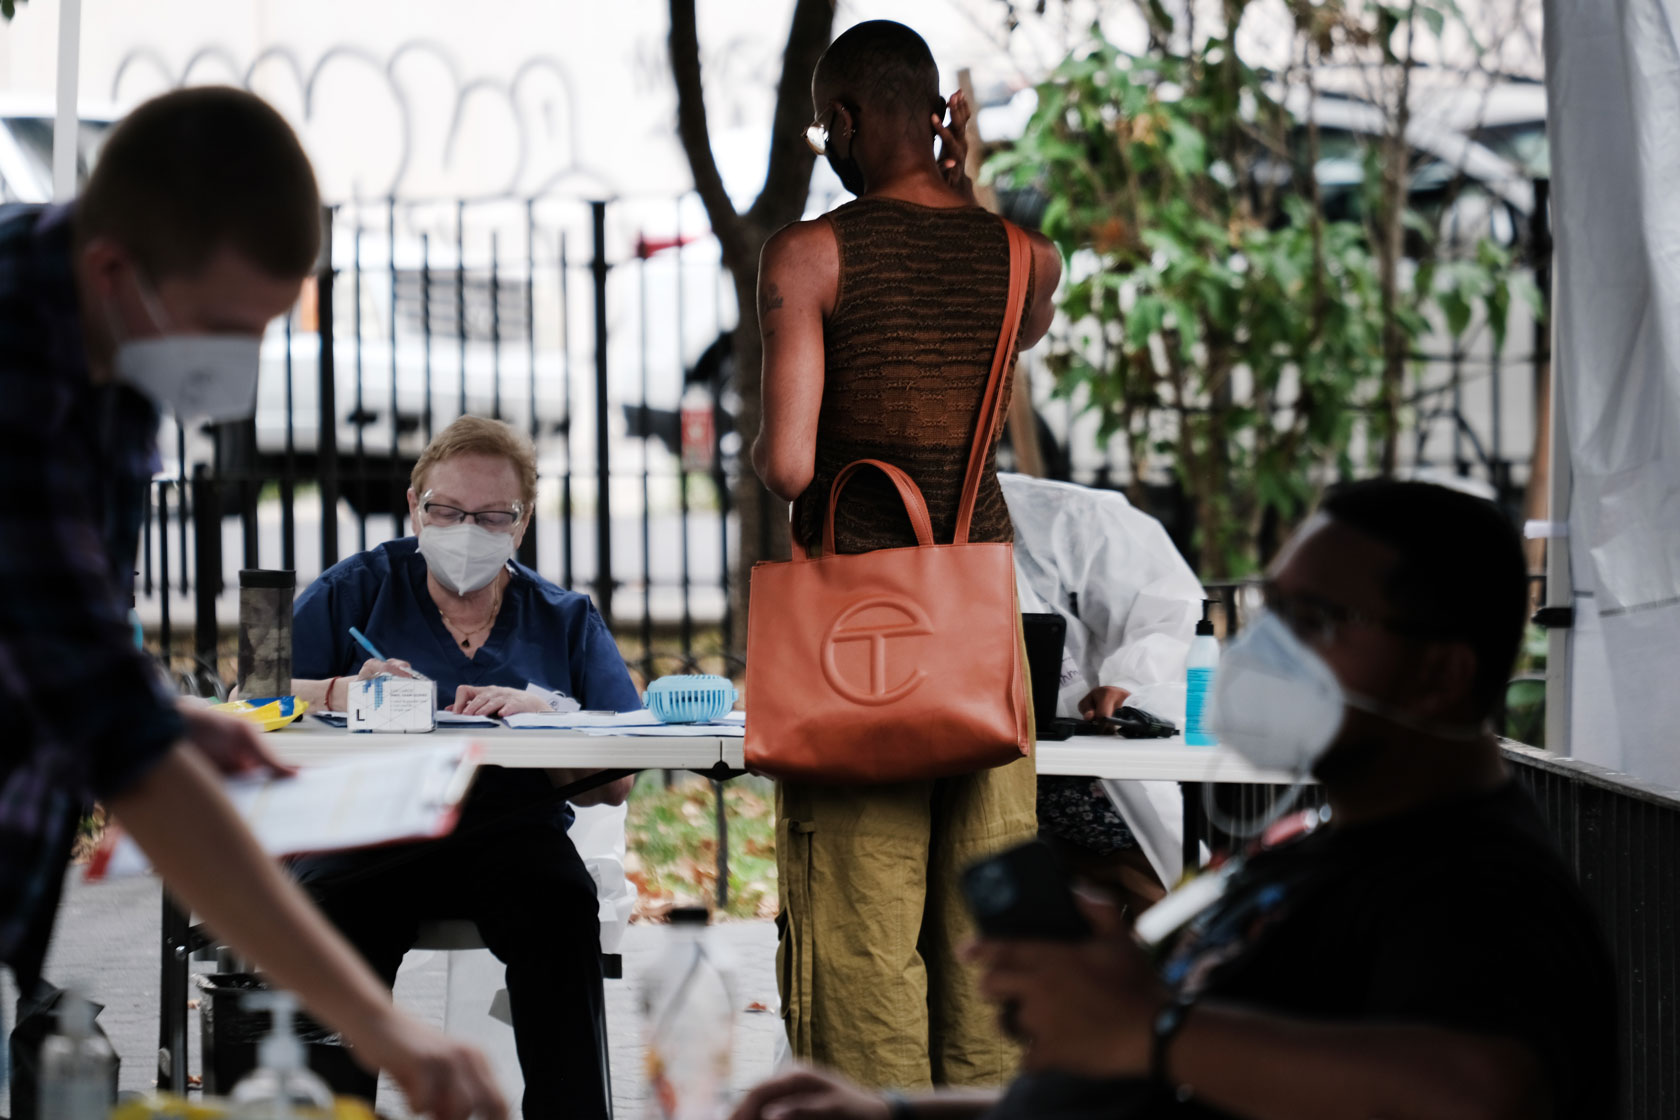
[769, 301]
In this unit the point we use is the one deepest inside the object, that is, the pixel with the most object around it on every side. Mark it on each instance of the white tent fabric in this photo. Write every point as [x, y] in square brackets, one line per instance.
[1613, 77]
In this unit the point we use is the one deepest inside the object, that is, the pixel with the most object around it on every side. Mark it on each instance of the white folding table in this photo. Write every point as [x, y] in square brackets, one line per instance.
[1150, 760]
[309, 742]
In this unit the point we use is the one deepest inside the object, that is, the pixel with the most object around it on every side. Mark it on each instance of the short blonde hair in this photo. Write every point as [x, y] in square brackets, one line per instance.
[474, 435]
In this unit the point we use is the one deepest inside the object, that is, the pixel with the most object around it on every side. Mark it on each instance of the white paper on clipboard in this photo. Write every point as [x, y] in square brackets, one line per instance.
[363, 801]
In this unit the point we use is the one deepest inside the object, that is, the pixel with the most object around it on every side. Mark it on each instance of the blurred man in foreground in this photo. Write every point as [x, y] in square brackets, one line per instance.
[1425, 953]
[152, 291]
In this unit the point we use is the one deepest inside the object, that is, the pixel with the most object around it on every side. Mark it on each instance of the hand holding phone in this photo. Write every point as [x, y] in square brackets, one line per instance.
[1024, 893]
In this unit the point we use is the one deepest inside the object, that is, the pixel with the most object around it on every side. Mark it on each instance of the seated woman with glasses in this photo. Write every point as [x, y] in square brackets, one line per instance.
[451, 604]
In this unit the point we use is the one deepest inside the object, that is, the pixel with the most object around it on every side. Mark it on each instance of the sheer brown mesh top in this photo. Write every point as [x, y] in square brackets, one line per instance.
[907, 353]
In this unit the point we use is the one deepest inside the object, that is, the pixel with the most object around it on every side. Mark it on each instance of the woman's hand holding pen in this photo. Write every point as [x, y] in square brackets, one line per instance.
[395, 666]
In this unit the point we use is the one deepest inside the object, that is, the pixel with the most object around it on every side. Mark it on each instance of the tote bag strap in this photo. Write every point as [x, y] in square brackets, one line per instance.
[991, 405]
[908, 493]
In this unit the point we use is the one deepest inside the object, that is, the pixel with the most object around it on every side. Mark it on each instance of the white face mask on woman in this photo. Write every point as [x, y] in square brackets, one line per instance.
[464, 557]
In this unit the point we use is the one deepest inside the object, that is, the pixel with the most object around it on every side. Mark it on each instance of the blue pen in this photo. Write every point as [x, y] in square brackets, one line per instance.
[361, 640]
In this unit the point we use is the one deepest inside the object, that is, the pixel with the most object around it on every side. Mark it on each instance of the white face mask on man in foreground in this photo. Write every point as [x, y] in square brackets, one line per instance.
[1278, 704]
[190, 376]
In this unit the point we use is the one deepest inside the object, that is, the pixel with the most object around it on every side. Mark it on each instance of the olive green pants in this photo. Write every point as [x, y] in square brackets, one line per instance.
[871, 919]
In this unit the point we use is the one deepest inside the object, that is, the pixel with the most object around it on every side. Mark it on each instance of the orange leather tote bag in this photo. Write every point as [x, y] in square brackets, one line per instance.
[901, 664]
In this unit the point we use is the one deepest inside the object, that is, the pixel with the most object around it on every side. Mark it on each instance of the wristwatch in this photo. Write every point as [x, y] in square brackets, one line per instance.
[1168, 1022]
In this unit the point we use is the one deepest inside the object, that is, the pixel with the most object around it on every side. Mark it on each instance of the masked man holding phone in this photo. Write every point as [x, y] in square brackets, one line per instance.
[150, 293]
[1422, 953]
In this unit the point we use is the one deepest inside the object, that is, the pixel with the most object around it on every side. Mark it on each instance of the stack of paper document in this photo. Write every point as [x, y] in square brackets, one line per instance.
[582, 721]
[641, 723]
[443, 718]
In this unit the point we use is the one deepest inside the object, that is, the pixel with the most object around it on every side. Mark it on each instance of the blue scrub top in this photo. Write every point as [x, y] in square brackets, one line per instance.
[544, 635]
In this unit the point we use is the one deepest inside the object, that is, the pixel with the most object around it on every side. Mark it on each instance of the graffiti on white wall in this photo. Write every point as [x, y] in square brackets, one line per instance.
[403, 125]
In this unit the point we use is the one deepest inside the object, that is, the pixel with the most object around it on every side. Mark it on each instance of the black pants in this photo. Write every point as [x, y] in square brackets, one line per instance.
[526, 888]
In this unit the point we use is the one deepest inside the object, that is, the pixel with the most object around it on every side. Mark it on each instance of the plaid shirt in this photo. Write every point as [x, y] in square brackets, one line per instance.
[85, 713]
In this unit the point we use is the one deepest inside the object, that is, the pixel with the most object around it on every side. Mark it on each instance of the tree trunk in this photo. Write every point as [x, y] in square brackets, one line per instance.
[741, 237]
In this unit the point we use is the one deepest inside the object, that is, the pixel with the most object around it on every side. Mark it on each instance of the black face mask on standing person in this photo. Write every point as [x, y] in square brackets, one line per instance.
[821, 136]
[847, 170]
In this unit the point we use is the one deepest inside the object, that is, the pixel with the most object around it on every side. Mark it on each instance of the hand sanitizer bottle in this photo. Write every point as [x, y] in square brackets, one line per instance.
[281, 1087]
[1200, 665]
[78, 1069]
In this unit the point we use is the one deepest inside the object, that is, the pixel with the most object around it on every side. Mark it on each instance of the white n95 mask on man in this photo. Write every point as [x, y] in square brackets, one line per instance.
[213, 376]
[464, 557]
[1275, 702]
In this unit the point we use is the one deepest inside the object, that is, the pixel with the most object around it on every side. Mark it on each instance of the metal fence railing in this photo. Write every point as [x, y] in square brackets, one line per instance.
[1617, 834]
[602, 330]
[581, 324]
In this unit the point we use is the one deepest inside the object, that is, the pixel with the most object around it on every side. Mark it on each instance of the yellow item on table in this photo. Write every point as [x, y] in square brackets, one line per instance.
[168, 1107]
[270, 715]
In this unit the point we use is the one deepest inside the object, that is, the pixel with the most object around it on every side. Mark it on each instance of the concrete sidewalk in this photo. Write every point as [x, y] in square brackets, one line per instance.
[106, 945]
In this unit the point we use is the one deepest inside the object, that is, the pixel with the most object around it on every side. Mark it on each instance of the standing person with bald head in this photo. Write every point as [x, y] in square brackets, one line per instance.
[879, 323]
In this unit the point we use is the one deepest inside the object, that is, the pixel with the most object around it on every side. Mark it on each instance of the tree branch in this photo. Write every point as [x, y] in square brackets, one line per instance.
[787, 180]
[695, 132]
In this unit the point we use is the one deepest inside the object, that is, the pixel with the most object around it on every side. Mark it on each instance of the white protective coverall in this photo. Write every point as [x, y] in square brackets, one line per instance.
[1131, 604]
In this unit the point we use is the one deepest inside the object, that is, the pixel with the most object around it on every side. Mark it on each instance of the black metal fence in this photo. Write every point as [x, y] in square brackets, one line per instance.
[1618, 834]
[603, 331]
[593, 328]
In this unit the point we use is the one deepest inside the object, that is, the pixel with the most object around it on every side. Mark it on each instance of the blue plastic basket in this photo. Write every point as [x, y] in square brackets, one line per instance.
[695, 698]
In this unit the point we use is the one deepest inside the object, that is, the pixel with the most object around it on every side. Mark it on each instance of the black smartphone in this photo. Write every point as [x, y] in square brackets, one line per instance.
[1024, 892]
[1135, 723]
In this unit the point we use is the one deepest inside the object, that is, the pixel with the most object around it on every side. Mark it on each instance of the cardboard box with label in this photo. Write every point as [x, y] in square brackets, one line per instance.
[387, 703]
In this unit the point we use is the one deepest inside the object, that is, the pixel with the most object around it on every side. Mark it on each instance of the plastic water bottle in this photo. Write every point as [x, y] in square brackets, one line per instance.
[688, 1012]
[78, 1068]
[1200, 665]
[282, 1086]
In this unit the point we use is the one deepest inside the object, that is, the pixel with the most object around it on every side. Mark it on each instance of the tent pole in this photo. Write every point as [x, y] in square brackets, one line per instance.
[1560, 584]
[66, 127]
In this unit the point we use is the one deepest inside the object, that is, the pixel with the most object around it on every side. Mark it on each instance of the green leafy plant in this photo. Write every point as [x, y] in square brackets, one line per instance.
[1221, 324]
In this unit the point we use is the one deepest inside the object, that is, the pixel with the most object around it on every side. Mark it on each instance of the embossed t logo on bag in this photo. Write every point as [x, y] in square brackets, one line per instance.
[855, 654]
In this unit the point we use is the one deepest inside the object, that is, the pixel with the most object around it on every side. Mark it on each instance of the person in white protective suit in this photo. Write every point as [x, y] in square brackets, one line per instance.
[1131, 604]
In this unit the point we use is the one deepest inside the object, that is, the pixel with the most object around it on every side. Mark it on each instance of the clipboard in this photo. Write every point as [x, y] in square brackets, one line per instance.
[365, 801]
